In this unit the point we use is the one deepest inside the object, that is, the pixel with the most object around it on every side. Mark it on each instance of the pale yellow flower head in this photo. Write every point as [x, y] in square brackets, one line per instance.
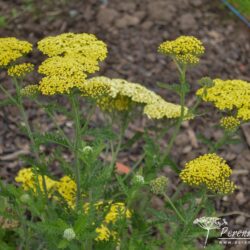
[229, 95]
[30, 90]
[209, 170]
[20, 70]
[11, 49]
[163, 109]
[185, 49]
[119, 94]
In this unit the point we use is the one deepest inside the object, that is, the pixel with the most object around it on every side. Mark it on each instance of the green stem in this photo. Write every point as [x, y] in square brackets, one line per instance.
[34, 149]
[77, 144]
[181, 118]
[175, 209]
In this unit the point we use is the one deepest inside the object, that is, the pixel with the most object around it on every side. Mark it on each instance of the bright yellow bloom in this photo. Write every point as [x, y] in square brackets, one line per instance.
[62, 74]
[28, 180]
[84, 44]
[11, 49]
[103, 233]
[20, 70]
[66, 187]
[56, 84]
[72, 56]
[229, 123]
[209, 170]
[30, 90]
[229, 95]
[113, 212]
[185, 49]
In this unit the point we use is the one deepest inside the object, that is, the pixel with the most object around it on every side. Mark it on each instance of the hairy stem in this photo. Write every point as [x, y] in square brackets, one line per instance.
[77, 144]
[180, 120]
[175, 209]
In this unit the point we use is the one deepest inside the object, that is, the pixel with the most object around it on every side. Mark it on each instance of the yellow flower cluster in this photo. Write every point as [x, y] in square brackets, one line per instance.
[185, 49]
[20, 70]
[119, 94]
[28, 179]
[66, 187]
[113, 212]
[11, 49]
[229, 95]
[71, 56]
[85, 45]
[229, 123]
[30, 90]
[209, 170]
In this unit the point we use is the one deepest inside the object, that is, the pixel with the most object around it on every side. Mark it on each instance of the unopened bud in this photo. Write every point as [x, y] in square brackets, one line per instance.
[159, 185]
[69, 234]
[87, 150]
[24, 198]
[138, 180]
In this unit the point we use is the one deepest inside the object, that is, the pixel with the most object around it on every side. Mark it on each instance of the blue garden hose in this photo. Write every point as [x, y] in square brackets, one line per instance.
[236, 12]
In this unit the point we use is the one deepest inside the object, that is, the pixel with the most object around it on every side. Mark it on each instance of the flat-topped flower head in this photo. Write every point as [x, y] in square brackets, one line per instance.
[209, 170]
[185, 49]
[85, 44]
[229, 123]
[71, 58]
[11, 49]
[119, 94]
[86, 49]
[229, 95]
[20, 70]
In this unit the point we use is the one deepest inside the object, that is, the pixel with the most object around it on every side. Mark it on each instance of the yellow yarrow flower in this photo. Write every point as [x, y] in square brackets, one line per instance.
[103, 233]
[163, 109]
[229, 95]
[86, 45]
[185, 49]
[71, 57]
[119, 94]
[229, 123]
[20, 70]
[30, 90]
[28, 180]
[11, 49]
[56, 84]
[113, 211]
[66, 187]
[209, 170]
